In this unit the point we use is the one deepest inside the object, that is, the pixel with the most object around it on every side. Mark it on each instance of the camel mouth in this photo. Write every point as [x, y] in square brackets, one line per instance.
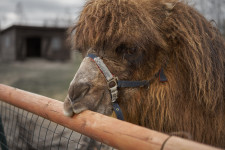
[104, 105]
[88, 102]
[78, 108]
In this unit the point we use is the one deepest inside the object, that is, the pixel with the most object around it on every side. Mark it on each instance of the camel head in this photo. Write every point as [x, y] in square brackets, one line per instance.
[123, 35]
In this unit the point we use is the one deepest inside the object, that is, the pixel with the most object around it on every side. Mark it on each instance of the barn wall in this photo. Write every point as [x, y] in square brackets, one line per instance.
[14, 43]
[53, 45]
[57, 48]
[0, 48]
[7, 44]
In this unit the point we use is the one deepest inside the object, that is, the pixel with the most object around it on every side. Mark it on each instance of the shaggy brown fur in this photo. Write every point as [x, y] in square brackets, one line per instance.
[138, 37]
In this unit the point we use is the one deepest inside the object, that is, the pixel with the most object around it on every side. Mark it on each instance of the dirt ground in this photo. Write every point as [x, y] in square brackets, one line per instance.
[48, 78]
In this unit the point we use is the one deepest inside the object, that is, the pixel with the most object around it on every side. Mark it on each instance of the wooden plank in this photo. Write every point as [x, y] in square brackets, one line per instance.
[116, 133]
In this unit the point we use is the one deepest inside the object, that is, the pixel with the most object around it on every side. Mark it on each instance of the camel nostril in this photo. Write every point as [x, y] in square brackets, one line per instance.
[78, 91]
[85, 91]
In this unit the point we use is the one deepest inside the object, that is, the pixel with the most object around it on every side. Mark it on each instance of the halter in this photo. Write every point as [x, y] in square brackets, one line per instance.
[114, 83]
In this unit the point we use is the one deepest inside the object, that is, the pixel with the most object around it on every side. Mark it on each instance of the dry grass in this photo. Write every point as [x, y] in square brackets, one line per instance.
[40, 76]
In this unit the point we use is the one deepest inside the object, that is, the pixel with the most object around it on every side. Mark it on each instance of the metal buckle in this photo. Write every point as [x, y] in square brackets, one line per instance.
[113, 89]
[114, 96]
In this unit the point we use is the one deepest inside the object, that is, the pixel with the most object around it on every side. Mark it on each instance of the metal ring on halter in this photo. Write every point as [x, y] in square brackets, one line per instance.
[112, 86]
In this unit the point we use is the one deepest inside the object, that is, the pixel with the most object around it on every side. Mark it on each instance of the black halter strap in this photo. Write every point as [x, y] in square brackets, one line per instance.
[144, 83]
[122, 83]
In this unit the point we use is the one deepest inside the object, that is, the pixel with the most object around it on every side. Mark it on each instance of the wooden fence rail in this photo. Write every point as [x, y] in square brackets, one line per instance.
[113, 132]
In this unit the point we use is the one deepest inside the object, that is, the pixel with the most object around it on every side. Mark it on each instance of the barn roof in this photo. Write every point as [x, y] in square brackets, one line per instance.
[33, 28]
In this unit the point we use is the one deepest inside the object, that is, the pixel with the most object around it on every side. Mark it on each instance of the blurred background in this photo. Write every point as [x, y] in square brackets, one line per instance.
[33, 52]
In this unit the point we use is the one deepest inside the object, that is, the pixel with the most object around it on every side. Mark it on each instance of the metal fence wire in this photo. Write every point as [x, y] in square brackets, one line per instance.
[22, 130]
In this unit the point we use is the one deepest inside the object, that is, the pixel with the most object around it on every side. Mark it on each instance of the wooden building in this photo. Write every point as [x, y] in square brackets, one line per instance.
[22, 42]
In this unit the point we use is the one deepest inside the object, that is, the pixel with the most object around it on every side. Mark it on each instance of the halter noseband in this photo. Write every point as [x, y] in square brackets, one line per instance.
[114, 83]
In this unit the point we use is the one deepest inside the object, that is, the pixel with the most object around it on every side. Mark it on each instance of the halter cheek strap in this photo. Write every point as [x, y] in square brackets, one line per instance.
[111, 80]
[114, 83]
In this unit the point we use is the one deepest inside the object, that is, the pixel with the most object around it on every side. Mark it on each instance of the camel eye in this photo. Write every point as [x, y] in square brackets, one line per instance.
[121, 49]
[126, 50]
[131, 51]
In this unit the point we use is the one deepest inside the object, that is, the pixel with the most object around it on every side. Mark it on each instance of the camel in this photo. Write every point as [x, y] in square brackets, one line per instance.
[143, 41]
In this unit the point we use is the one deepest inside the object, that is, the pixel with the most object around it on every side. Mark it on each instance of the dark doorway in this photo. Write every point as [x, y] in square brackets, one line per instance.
[33, 47]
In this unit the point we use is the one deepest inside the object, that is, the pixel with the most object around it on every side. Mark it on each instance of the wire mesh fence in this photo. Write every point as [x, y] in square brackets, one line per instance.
[23, 130]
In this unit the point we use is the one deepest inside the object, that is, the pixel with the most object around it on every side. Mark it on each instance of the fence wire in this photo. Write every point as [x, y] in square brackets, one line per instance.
[22, 130]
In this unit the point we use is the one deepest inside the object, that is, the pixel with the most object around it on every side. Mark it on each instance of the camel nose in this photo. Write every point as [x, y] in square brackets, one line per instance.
[78, 91]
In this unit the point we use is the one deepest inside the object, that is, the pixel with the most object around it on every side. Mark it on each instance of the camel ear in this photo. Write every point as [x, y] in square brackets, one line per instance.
[169, 6]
